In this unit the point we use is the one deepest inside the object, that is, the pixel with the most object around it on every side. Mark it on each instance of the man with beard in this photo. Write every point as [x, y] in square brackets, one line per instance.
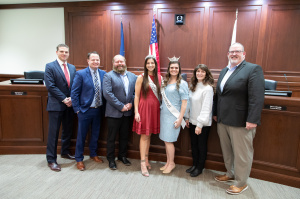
[237, 109]
[118, 90]
[88, 103]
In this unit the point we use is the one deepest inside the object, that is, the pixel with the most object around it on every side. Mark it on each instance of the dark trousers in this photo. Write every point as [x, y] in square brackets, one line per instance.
[92, 117]
[57, 118]
[199, 146]
[117, 126]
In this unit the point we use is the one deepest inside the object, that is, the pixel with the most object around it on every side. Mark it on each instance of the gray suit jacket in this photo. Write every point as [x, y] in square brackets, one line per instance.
[242, 98]
[114, 93]
[57, 85]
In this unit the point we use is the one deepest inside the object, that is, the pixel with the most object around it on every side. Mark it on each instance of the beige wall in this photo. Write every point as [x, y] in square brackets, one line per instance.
[28, 38]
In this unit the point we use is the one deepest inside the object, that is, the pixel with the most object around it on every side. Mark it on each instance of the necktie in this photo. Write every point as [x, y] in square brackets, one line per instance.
[97, 90]
[66, 74]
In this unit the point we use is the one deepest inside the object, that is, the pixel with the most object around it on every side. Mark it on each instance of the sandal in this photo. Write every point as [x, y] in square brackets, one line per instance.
[144, 168]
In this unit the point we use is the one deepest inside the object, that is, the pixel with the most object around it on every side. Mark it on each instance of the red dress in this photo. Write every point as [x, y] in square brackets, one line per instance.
[149, 110]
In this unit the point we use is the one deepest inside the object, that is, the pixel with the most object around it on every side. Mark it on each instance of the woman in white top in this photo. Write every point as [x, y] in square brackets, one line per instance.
[199, 116]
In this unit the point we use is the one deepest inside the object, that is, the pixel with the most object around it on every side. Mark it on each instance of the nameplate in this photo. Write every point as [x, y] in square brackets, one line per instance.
[278, 108]
[18, 93]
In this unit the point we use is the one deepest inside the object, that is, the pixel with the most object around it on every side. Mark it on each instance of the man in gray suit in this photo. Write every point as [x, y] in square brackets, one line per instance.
[237, 109]
[59, 77]
[118, 90]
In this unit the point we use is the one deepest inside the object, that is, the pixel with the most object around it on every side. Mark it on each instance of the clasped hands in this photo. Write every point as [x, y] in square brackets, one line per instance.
[126, 107]
[67, 101]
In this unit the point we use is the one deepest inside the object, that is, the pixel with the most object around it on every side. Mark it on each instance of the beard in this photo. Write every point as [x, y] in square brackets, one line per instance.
[118, 70]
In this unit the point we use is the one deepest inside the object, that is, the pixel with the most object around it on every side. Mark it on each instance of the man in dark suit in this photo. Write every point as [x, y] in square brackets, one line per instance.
[237, 109]
[118, 89]
[59, 77]
[89, 104]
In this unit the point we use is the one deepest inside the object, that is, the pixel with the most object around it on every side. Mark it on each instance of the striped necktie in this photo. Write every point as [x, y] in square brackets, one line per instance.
[97, 90]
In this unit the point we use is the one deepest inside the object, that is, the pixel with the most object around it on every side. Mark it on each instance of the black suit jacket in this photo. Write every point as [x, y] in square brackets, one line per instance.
[242, 98]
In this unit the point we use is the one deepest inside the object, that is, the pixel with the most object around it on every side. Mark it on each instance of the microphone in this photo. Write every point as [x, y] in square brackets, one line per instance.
[287, 81]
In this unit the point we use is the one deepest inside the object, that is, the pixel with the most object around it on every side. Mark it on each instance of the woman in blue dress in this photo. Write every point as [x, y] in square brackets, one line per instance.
[174, 102]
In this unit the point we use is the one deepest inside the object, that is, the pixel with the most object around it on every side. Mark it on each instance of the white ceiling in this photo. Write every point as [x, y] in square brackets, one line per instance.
[38, 1]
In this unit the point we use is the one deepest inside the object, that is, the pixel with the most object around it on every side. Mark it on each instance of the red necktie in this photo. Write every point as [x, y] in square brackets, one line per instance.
[66, 74]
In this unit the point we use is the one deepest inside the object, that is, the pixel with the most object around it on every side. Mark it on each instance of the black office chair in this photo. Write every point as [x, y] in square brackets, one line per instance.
[270, 84]
[34, 74]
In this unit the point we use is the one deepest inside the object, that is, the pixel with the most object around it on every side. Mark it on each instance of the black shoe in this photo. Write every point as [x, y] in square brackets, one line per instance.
[125, 161]
[54, 166]
[112, 165]
[196, 172]
[191, 169]
[67, 156]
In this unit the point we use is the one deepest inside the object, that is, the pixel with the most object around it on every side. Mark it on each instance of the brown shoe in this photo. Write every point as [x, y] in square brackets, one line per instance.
[54, 166]
[97, 159]
[223, 178]
[80, 166]
[234, 190]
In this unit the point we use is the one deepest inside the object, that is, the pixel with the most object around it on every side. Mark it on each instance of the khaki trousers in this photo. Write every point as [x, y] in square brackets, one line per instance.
[237, 149]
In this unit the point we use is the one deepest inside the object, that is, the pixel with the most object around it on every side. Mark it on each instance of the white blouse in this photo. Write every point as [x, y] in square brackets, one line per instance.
[201, 101]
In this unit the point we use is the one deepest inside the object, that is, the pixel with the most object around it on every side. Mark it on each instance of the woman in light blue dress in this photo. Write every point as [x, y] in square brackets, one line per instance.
[175, 93]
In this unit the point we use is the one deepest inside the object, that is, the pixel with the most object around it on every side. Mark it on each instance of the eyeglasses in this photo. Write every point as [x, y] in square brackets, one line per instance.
[235, 51]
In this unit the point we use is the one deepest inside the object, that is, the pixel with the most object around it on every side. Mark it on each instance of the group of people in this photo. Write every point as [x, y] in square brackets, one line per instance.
[160, 106]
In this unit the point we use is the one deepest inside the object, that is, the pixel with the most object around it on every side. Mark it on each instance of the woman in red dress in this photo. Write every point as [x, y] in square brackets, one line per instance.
[146, 108]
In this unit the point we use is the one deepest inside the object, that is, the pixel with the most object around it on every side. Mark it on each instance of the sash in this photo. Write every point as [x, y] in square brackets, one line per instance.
[171, 108]
[153, 87]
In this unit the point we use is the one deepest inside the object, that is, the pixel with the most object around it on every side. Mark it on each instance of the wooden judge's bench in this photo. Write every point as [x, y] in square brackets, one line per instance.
[24, 129]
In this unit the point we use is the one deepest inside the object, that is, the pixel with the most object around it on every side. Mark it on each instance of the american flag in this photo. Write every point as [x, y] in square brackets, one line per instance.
[153, 47]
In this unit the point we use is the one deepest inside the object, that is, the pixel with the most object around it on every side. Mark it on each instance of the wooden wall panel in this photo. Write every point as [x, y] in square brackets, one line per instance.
[282, 40]
[184, 41]
[14, 128]
[87, 33]
[277, 153]
[221, 22]
[137, 30]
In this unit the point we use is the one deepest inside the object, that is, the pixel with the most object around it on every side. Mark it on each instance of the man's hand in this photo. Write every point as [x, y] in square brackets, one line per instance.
[124, 108]
[67, 101]
[129, 106]
[250, 126]
[215, 118]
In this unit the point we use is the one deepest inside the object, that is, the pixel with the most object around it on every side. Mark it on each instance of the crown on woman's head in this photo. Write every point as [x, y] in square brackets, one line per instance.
[174, 58]
[150, 56]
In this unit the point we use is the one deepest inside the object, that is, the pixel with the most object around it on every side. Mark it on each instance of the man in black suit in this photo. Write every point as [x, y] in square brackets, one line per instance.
[59, 77]
[237, 109]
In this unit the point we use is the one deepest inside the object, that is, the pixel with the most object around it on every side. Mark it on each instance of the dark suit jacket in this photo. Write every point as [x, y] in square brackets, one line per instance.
[57, 85]
[114, 93]
[242, 98]
[83, 90]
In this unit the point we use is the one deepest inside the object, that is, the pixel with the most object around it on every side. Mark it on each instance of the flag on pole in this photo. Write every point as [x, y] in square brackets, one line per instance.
[122, 47]
[233, 38]
[153, 47]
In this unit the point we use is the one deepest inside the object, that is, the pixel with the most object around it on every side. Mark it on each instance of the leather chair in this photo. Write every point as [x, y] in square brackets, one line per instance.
[34, 74]
[270, 84]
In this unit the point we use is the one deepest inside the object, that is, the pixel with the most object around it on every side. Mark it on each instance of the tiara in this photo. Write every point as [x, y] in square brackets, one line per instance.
[174, 58]
[150, 56]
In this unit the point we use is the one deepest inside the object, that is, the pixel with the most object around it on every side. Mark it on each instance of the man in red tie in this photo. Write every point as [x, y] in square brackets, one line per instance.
[59, 77]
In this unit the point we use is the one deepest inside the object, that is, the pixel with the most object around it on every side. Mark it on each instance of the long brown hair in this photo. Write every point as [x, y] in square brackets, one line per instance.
[207, 80]
[145, 84]
[168, 75]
